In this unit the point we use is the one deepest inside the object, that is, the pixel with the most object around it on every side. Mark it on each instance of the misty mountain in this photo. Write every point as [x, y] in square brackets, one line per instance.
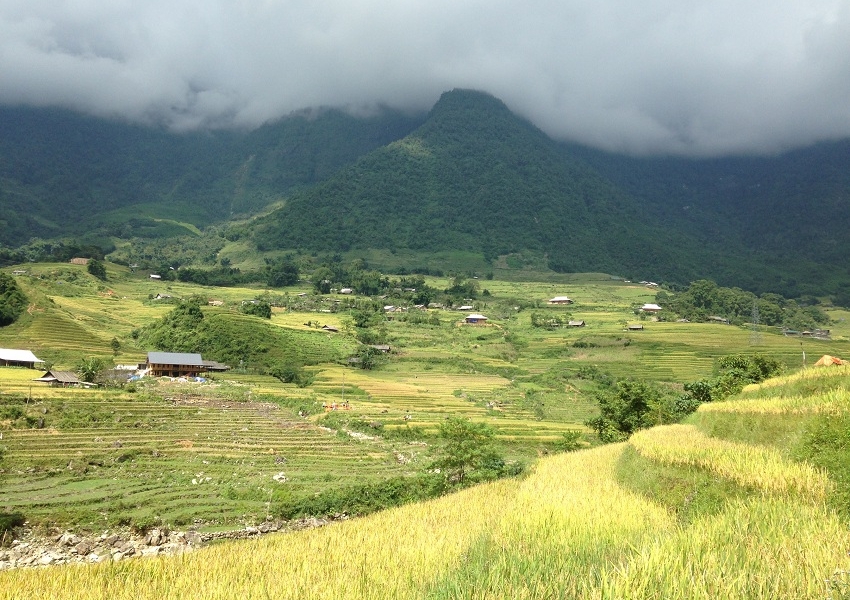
[468, 176]
[62, 173]
[476, 177]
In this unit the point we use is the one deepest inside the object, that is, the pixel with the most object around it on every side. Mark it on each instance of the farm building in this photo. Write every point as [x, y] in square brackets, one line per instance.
[635, 327]
[560, 300]
[212, 366]
[330, 328]
[59, 378]
[18, 358]
[79, 261]
[475, 319]
[576, 323]
[175, 364]
[380, 347]
[650, 308]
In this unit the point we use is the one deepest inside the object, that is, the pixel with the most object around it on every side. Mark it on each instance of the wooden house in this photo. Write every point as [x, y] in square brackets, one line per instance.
[59, 378]
[560, 300]
[475, 319]
[175, 364]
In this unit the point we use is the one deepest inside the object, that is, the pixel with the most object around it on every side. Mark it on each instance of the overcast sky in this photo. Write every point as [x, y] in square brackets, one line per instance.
[650, 76]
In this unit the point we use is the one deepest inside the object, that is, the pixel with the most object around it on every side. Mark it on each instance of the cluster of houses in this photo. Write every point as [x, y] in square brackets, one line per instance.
[158, 364]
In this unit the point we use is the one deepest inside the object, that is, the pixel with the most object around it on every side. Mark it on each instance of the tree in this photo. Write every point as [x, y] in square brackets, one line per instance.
[369, 357]
[90, 368]
[291, 372]
[13, 302]
[469, 451]
[258, 308]
[633, 404]
[282, 273]
[97, 268]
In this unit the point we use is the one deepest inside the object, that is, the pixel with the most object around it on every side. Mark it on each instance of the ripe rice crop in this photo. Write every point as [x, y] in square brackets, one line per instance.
[830, 402]
[752, 466]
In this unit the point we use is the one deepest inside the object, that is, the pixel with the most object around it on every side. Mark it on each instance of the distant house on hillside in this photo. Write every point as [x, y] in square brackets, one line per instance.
[175, 364]
[716, 319]
[576, 323]
[215, 367]
[330, 328]
[18, 358]
[346, 291]
[59, 378]
[650, 308]
[560, 300]
[635, 327]
[466, 307]
[79, 261]
[155, 276]
[475, 319]
[380, 347]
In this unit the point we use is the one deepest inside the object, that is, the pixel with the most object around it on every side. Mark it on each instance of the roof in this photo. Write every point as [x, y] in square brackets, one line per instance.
[18, 355]
[60, 376]
[650, 307]
[561, 299]
[477, 317]
[175, 358]
[213, 365]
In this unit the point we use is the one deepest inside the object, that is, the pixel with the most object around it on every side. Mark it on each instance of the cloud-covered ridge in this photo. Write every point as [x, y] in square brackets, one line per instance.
[665, 76]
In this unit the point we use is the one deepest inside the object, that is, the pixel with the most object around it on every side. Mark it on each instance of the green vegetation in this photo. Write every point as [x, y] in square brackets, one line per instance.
[648, 518]
[703, 299]
[531, 388]
[13, 302]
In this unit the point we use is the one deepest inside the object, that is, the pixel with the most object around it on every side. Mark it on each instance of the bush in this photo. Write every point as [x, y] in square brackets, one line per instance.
[364, 498]
[9, 521]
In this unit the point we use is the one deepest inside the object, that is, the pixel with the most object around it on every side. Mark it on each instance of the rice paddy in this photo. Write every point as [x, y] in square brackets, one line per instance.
[225, 452]
[570, 529]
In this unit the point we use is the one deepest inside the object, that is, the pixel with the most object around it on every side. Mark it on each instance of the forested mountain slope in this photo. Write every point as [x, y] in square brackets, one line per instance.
[62, 173]
[475, 177]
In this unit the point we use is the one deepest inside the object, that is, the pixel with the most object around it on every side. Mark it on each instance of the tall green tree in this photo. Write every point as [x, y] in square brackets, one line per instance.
[13, 301]
[469, 451]
[97, 268]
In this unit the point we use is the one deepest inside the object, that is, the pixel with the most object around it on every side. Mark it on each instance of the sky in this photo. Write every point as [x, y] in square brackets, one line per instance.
[705, 78]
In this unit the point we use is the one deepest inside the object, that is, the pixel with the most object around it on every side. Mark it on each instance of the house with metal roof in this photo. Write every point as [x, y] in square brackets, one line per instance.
[18, 358]
[175, 364]
[476, 319]
[60, 378]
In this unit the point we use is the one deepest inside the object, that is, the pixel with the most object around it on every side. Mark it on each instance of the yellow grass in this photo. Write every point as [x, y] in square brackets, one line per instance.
[567, 530]
[752, 466]
[831, 402]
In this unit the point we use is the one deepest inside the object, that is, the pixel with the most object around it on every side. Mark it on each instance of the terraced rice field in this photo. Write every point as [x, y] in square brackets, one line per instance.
[573, 528]
[104, 458]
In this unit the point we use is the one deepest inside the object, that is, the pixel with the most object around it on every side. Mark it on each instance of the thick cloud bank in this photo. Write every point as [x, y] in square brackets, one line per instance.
[701, 78]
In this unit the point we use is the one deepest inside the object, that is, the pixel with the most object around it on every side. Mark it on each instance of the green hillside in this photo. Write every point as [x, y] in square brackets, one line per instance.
[66, 174]
[476, 178]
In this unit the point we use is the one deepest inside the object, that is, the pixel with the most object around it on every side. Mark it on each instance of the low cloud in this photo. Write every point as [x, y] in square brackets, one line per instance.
[661, 76]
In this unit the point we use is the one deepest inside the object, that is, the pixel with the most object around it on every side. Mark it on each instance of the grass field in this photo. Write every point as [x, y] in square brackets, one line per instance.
[99, 457]
[607, 522]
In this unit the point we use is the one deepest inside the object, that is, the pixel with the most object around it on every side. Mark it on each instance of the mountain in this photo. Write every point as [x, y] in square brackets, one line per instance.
[470, 176]
[62, 173]
[476, 177]
[473, 177]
